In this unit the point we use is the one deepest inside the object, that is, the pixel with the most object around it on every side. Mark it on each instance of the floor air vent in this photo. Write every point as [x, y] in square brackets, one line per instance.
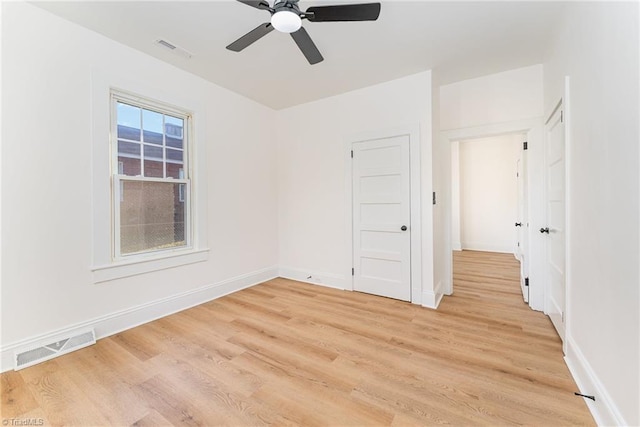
[54, 349]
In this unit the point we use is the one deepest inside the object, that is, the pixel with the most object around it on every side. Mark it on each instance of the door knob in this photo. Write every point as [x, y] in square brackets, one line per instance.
[518, 224]
[544, 230]
[403, 228]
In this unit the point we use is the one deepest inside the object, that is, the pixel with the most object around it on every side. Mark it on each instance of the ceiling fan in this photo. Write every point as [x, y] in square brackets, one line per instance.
[287, 18]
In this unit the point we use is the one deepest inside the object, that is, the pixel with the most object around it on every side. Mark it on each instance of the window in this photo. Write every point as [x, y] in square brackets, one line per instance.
[151, 181]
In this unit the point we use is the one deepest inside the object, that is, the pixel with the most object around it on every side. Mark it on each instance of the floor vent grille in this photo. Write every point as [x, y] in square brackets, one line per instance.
[57, 348]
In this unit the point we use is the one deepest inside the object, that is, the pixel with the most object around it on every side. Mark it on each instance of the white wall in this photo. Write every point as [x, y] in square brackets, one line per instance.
[442, 264]
[508, 96]
[312, 142]
[489, 193]
[598, 49]
[48, 64]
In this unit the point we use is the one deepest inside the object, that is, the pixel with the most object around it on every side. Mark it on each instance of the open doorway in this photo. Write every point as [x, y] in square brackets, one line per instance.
[489, 197]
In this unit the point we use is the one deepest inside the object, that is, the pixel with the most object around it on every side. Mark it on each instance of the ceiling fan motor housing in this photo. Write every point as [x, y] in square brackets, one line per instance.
[286, 5]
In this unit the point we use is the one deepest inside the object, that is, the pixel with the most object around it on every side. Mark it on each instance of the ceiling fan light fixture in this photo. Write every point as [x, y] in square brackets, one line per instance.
[286, 21]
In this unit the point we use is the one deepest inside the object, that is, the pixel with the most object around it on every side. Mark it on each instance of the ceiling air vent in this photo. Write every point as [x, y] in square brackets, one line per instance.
[175, 49]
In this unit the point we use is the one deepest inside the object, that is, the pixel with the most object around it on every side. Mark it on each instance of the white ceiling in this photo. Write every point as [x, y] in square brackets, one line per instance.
[458, 39]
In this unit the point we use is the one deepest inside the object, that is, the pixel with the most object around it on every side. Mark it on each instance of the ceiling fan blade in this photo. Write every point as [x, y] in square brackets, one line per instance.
[251, 37]
[258, 4]
[307, 46]
[344, 12]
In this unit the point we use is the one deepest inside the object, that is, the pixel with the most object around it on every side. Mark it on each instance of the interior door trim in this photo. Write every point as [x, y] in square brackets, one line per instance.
[534, 129]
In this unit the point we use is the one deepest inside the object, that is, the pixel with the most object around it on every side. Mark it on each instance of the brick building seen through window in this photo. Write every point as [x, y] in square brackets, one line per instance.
[152, 181]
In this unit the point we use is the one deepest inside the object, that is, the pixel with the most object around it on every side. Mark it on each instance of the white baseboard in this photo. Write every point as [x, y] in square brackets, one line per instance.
[119, 321]
[431, 299]
[523, 289]
[329, 280]
[486, 247]
[604, 410]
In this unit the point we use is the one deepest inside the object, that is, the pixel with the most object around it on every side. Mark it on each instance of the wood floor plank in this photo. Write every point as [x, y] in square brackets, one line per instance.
[152, 419]
[16, 396]
[107, 391]
[287, 353]
[63, 402]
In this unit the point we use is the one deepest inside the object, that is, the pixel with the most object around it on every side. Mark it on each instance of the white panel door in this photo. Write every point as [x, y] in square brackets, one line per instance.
[555, 228]
[521, 225]
[519, 233]
[381, 216]
[522, 222]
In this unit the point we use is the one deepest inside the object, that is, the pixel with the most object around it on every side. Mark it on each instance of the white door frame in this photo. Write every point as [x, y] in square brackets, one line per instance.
[563, 103]
[550, 308]
[533, 128]
[522, 247]
[413, 132]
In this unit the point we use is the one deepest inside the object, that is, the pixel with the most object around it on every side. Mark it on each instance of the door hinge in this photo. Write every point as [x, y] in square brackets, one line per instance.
[353, 271]
[561, 116]
[434, 197]
[526, 281]
[525, 145]
[352, 154]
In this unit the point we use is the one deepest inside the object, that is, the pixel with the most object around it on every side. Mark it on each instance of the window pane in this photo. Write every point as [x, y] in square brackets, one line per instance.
[175, 170]
[174, 131]
[152, 153]
[128, 148]
[128, 121]
[152, 217]
[152, 125]
[173, 142]
[174, 155]
[128, 166]
[153, 169]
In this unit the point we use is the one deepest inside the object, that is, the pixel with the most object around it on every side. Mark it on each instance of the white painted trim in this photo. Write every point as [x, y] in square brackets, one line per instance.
[456, 237]
[161, 261]
[328, 280]
[432, 299]
[495, 129]
[534, 129]
[119, 321]
[523, 287]
[413, 131]
[568, 273]
[604, 410]
[487, 247]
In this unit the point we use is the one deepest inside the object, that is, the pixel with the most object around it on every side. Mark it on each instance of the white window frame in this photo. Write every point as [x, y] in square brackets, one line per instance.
[119, 178]
[104, 268]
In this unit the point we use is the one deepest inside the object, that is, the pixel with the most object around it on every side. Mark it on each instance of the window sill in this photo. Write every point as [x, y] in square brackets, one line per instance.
[128, 268]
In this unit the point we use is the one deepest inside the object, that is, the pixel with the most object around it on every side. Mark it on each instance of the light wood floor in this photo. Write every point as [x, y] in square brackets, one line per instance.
[288, 353]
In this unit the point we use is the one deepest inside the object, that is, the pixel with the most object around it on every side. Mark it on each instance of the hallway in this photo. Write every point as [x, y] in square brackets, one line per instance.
[518, 350]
